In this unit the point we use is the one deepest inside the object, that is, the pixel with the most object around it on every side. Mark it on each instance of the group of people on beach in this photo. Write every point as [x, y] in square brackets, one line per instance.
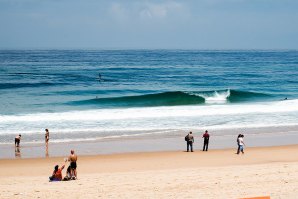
[189, 138]
[17, 139]
[71, 172]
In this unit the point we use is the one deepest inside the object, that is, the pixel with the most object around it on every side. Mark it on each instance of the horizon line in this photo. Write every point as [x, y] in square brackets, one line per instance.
[148, 49]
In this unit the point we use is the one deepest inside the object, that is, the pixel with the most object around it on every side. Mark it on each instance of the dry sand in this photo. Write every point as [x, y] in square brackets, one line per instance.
[267, 171]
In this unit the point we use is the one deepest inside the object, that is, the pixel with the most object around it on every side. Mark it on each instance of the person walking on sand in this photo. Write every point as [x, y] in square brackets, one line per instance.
[17, 140]
[47, 137]
[73, 163]
[238, 143]
[206, 140]
[241, 143]
[189, 141]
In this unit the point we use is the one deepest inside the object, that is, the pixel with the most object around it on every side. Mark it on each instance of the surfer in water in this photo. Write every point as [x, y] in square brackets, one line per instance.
[99, 77]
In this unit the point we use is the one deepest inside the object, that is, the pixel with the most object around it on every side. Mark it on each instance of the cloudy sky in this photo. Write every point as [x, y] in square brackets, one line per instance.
[155, 24]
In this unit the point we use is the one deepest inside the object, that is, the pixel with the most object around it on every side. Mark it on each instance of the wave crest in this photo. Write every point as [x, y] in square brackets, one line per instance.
[216, 96]
[175, 98]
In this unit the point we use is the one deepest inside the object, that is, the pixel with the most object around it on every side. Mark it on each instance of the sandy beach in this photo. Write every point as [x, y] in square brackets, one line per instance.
[130, 85]
[261, 171]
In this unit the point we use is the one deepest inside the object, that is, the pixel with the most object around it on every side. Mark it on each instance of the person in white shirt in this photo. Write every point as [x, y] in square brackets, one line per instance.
[241, 143]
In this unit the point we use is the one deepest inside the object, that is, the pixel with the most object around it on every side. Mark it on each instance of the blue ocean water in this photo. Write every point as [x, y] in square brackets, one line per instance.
[89, 95]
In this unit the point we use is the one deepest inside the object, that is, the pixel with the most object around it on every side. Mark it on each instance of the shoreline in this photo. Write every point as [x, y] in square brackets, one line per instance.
[257, 137]
[253, 148]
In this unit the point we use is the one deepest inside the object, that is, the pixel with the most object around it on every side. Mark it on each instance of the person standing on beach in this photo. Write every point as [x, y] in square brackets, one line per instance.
[238, 143]
[189, 141]
[47, 137]
[206, 140]
[73, 163]
[242, 144]
[17, 140]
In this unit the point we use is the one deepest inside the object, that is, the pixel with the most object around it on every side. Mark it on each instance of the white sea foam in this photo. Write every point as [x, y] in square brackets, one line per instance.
[216, 97]
[115, 122]
[156, 112]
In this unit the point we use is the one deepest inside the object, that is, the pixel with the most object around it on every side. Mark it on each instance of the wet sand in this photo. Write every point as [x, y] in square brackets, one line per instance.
[221, 139]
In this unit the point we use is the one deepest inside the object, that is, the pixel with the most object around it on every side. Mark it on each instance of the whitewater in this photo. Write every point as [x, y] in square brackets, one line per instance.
[122, 122]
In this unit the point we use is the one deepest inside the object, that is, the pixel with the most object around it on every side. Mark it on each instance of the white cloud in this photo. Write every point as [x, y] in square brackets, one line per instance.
[154, 11]
[159, 10]
[145, 10]
[118, 11]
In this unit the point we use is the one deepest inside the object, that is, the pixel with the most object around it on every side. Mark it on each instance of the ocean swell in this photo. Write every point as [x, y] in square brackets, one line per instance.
[31, 85]
[175, 98]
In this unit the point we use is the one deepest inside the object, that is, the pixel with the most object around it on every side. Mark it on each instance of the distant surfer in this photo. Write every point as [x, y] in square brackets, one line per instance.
[286, 98]
[99, 77]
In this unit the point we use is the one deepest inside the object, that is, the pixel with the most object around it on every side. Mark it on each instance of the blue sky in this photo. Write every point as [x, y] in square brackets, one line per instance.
[137, 24]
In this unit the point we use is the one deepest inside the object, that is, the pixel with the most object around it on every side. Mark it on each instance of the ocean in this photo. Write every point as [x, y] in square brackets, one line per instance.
[90, 95]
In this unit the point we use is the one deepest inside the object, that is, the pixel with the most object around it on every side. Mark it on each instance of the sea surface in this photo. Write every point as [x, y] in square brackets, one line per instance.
[89, 95]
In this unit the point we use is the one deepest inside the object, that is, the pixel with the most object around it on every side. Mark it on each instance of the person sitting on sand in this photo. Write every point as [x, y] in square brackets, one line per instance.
[68, 174]
[57, 173]
[73, 164]
[17, 140]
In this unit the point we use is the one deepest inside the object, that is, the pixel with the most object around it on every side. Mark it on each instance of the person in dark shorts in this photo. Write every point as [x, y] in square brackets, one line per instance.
[206, 140]
[238, 143]
[73, 163]
[17, 140]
